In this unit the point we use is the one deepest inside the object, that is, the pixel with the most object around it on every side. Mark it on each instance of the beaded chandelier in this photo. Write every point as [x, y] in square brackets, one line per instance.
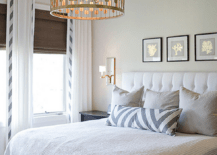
[87, 9]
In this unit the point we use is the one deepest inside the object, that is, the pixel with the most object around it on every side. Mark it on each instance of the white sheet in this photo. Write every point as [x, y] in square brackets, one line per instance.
[93, 137]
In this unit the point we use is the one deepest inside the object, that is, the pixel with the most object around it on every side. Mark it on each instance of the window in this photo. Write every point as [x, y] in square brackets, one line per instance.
[48, 83]
[2, 87]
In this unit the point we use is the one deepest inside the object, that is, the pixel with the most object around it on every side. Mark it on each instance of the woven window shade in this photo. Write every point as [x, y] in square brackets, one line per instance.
[50, 33]
[3, 19]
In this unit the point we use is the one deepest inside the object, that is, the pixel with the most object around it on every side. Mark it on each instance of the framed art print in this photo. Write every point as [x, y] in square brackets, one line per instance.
[152, 50]
[178, 48]
[206, 47]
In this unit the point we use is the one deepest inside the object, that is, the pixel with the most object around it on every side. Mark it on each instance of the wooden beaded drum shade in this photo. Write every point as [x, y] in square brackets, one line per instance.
[87, 9]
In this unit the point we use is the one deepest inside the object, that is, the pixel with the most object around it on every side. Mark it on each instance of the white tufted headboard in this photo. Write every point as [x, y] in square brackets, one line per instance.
[199, 82]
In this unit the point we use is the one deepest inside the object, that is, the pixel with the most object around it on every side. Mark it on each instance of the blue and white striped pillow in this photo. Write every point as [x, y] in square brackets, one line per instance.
[156, 120]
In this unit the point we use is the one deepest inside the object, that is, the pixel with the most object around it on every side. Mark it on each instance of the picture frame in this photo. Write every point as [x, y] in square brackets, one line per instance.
[178, 48]
[206, 46]
[152, 50]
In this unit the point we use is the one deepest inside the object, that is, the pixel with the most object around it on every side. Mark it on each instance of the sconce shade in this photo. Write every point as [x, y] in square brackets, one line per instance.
[102, 69]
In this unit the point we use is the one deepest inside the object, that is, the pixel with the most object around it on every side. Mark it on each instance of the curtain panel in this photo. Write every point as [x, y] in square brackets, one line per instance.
[69, 55]
[79, 54]
[20, 37]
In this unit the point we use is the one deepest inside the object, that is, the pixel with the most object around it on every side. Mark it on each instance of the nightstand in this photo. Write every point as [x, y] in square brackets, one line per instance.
[93, 115]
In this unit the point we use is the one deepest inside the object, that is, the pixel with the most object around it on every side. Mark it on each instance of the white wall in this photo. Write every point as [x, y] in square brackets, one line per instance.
[46, 2]
[122, 38]
[3, 1]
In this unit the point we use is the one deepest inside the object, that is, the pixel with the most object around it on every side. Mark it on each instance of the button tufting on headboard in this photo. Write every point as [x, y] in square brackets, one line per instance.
[199, 82]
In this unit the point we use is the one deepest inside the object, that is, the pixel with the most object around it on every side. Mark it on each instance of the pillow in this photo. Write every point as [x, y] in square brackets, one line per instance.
[156, 120]
[109, 109]
[198, 112]
[123, 97]
[161, 100]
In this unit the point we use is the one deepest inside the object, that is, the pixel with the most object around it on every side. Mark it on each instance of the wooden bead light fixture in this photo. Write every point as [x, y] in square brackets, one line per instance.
[87, 9]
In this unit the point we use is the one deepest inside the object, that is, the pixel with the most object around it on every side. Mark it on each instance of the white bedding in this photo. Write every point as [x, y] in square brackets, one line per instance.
[93, 137]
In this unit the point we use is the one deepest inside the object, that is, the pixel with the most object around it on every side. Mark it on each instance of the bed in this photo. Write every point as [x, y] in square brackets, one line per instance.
[94, 137]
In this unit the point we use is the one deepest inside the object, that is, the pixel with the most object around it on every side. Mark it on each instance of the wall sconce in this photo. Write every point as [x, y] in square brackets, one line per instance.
[109, 69]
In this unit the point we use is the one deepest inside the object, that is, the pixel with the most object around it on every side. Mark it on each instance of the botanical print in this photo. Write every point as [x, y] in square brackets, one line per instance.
[177, 47]
[207, 47]
[151, 50]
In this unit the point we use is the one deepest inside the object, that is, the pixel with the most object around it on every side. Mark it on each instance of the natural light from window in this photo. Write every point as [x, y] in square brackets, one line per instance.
[48, 83]
[2, 87]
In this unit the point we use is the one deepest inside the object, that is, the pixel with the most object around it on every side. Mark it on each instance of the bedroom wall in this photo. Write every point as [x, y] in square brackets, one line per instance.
[122, 38]
[46, 2]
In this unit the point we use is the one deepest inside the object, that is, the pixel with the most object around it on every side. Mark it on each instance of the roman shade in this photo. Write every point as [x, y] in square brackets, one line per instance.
[3, 17]
[50, 33]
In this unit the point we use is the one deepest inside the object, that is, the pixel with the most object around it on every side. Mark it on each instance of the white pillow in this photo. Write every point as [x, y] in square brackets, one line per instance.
[161, 100]
[125, 98]
[198, 114]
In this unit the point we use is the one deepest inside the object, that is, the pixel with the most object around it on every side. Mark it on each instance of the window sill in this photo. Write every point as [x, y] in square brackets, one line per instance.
[49, 114]
[41, 120]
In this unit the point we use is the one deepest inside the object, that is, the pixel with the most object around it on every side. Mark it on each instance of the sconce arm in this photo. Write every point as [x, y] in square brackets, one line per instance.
[110, 77]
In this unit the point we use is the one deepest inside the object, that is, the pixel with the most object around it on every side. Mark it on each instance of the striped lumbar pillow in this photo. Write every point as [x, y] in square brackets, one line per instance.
[157, 120]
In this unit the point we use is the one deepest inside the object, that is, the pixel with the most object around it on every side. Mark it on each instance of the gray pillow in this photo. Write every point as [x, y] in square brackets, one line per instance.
[125, 98]
[161, 100]
[198, 112]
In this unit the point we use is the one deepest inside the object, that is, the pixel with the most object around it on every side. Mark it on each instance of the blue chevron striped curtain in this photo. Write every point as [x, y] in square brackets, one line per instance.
[10, 39]
[69, 68]
[79, 68]
[20, 35]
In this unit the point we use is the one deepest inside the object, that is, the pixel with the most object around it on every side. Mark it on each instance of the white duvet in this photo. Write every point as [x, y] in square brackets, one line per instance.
[94, 138]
